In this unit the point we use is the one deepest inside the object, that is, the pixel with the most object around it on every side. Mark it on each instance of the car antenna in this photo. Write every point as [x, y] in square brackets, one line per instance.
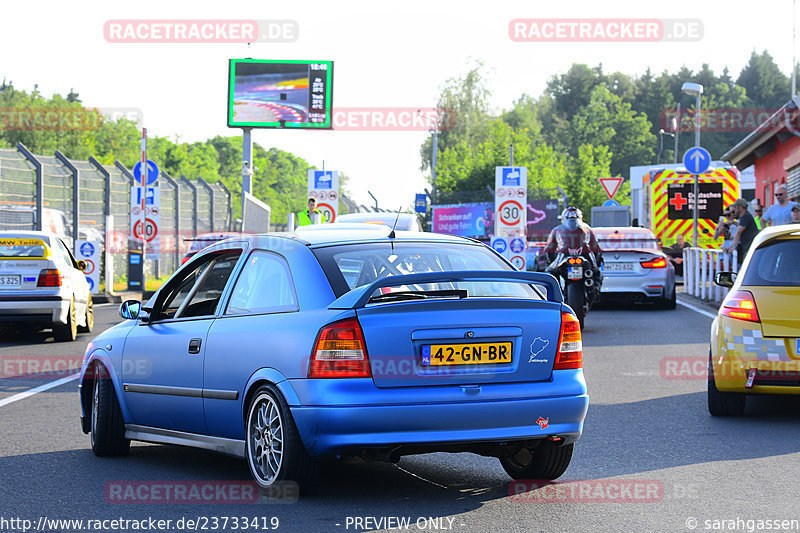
[391, 233]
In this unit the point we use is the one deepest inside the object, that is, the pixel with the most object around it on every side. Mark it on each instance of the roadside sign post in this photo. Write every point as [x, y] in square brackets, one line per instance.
[324, 186]
[89, 252]
[696, 160]
[611, 186]
[511, 208]
[421, 203]
[145, 210]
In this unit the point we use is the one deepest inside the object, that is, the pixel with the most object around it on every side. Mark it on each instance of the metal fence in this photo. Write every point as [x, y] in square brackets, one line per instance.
[57, 194]
[700, 265]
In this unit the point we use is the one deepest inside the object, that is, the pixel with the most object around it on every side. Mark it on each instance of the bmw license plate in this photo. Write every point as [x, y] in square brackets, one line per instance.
[574, 272]
[618, 267]
[466, 354]
[9, 281]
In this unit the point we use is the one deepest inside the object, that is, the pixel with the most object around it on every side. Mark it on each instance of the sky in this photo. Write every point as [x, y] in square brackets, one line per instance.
[386, 55]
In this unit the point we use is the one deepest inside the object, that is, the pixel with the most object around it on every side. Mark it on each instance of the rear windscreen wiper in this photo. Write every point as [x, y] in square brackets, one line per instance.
[418, 295]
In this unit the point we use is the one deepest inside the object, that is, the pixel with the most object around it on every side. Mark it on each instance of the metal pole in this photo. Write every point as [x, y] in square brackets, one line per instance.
[696, 179]
[37, 165]
[144, 206]
[794, 60]
[247, 165]
[433, 165]
[677, 132]
[511, 155]
[76, 196]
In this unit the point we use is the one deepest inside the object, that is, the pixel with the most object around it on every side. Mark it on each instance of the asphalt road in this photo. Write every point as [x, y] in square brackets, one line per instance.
[648, 441]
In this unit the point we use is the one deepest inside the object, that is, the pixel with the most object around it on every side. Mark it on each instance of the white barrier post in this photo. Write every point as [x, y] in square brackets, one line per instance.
[703, 273]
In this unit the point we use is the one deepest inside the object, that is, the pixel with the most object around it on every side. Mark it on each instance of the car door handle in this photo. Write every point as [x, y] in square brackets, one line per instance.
[194, 345]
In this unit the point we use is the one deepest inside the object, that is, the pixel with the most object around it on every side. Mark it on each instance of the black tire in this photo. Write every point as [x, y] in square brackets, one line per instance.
[723, 403]
[575, 299]
[670, 303]
[107, 428]
[286, 459]
[67, 332]
[89, 318]
[545, 461]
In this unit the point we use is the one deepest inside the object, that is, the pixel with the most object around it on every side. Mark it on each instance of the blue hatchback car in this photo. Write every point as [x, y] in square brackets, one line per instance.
[334, 342]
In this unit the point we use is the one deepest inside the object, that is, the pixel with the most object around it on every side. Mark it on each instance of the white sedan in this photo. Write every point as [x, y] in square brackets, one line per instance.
[42, 285]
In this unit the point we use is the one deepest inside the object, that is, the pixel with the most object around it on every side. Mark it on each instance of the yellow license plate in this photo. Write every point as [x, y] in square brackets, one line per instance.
[466, 354]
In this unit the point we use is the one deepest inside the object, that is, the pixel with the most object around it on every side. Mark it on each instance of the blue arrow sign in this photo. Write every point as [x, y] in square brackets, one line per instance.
[611, 203]
[696, 160]
[152, 172]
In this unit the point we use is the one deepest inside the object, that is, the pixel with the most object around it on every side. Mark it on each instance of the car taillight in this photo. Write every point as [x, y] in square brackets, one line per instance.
[49, 277]
[741, 305]
[570, 345]
[340, 352]
[655, 263]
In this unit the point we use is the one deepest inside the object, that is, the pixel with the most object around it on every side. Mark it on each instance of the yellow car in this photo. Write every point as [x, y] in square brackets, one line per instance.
[755, 339]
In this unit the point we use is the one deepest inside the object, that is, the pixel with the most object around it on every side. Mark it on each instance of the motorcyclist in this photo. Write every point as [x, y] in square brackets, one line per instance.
[572, 237]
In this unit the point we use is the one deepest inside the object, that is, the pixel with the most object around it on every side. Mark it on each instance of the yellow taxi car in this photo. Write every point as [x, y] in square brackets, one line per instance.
[755, 339]
[42, 285]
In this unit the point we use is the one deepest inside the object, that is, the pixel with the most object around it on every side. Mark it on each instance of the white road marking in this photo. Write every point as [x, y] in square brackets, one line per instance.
[698, 310]
[35, 390]
[106, 304]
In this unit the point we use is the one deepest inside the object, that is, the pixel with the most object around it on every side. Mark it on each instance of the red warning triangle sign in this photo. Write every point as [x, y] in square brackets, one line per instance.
[611, 185]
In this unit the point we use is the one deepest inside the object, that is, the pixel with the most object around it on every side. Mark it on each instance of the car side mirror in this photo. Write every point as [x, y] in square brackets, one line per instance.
[82, 265]
[130, 309]
[725, 279]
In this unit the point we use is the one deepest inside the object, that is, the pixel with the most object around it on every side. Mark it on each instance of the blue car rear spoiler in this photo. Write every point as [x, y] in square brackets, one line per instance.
[358, 297]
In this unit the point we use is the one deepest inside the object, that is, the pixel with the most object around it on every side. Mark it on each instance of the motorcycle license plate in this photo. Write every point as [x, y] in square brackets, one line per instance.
[575, 273]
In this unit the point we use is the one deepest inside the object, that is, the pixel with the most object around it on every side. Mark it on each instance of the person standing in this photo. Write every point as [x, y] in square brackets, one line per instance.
[746, 232]
[311, 215]
[758, 209]
[796, 214]
[780, 213]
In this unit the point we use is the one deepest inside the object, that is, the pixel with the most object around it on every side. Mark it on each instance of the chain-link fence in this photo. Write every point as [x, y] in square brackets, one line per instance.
[74, 198]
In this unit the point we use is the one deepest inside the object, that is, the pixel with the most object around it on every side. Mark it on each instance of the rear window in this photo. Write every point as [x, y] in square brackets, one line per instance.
[621, 241]
[21, 248]
[355, 265]
[776, 263]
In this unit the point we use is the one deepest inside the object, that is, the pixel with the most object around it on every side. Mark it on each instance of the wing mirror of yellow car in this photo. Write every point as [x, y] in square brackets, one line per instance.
[725, 279]
[82, 265]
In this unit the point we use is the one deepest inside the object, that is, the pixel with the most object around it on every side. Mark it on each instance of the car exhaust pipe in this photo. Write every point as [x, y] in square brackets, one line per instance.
[588, 282]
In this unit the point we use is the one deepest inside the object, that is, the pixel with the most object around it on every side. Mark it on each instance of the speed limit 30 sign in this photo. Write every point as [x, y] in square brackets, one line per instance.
[510, 201]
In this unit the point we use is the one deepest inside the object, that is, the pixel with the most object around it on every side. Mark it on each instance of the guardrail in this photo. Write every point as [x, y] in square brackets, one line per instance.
[699, 267]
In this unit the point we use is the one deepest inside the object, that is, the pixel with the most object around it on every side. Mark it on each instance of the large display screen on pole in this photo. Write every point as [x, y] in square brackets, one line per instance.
[265, 93]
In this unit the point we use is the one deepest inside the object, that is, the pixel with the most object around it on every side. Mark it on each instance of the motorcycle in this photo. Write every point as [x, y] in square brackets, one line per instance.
[580, 277]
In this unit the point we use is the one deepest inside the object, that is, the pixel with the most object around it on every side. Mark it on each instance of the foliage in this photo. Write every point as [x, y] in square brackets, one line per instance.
[44, 125]
[589, 124]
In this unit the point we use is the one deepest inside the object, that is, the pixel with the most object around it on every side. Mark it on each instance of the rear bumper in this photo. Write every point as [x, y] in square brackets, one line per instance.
[655, 284]
[331, 430]
[39, 309]
[497, 414]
